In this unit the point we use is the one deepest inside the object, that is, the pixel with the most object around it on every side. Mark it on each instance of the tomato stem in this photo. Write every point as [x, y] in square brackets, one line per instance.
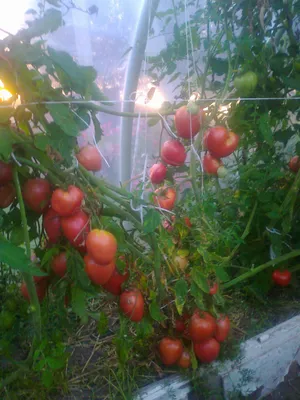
[34, 302]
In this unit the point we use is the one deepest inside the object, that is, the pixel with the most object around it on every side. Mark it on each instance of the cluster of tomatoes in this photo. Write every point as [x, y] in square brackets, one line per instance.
[206, 334]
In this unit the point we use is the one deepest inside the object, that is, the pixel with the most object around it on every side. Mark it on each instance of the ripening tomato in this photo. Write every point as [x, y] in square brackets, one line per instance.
[101, 246]
[167, 225]
[202, 326]
[184, 360]
[211, 164]
[208, 350]
[214, 288]
[98, 273]
[41, 285]
[281, 278]
[132, 304]
[173, 153]
[59, 264]
[65, 203]
[223, 328]
[90, 158]
[294, 164]
[188, 122]
[52, 225]
[157, 173]
[76, 228]
[165, 198]
[7, 195]
[181, 262]
[220, 142]
[170, 350]
[114, 284]
[6, 174]
[36, 194]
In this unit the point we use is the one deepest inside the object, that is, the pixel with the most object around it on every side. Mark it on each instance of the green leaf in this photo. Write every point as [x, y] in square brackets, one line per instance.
[41, 141]
[151, 221]
[17, 235]
[64, 118]
[200, 279]
[83, 119]
[265, 128]
[16, 258]
[153, 121]
[292, 83]
[56, 363]
[197, 294]
[6, 142]
[144, 328]
[47, 378]
[155, 311]
[97, 126]
[50, 22]
[77, 273]
[222, 274]
[181, 290]
[78, 302]
[5, 114]
[102, 323]
[55, 3]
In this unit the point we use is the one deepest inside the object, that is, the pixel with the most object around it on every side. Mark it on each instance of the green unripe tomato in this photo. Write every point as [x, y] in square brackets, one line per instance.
[7, 320]
[222, 172]
[246, 83]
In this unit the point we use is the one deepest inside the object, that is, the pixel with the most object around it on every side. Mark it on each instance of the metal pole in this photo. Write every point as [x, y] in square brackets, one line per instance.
[136, 58]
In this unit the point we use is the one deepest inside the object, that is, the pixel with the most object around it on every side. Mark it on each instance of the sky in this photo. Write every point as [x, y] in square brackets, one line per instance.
[12, 14]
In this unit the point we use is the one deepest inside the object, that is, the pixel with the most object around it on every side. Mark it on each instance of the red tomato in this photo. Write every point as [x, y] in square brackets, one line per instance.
[101, 245]
[90, 158]
[41, 285]
[157, 173]
[59, 264]
[211, 164]
[187, 222]
[165, 198]
[184, 360]
[202, 326]
[204, 140]
[36, 194]
[220, 142]
[7, 195]
[65, 203]
[281, 278]
[208, 350]
[173, 153]
[187, 124]
[294, 164]
[52, 225]
[6, 174]
[98, 273]
[114, 284]
[132, 304]
[223, 328]
[214, 289]
[76, 228]
[179, 325]
[170, 350]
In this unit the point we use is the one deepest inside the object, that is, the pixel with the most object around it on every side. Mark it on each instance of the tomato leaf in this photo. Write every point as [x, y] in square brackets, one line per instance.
[6, 142]
[197, 294]
[265, 128]
[222, 274]
[78, 302]
[41, 141]
[47, 378]
[97, 126]
[151, 221]
[200, 279]
[102, 323]
[155, 312]
[64, 118]
[16, 258]
[181, 290]
[144, 328]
